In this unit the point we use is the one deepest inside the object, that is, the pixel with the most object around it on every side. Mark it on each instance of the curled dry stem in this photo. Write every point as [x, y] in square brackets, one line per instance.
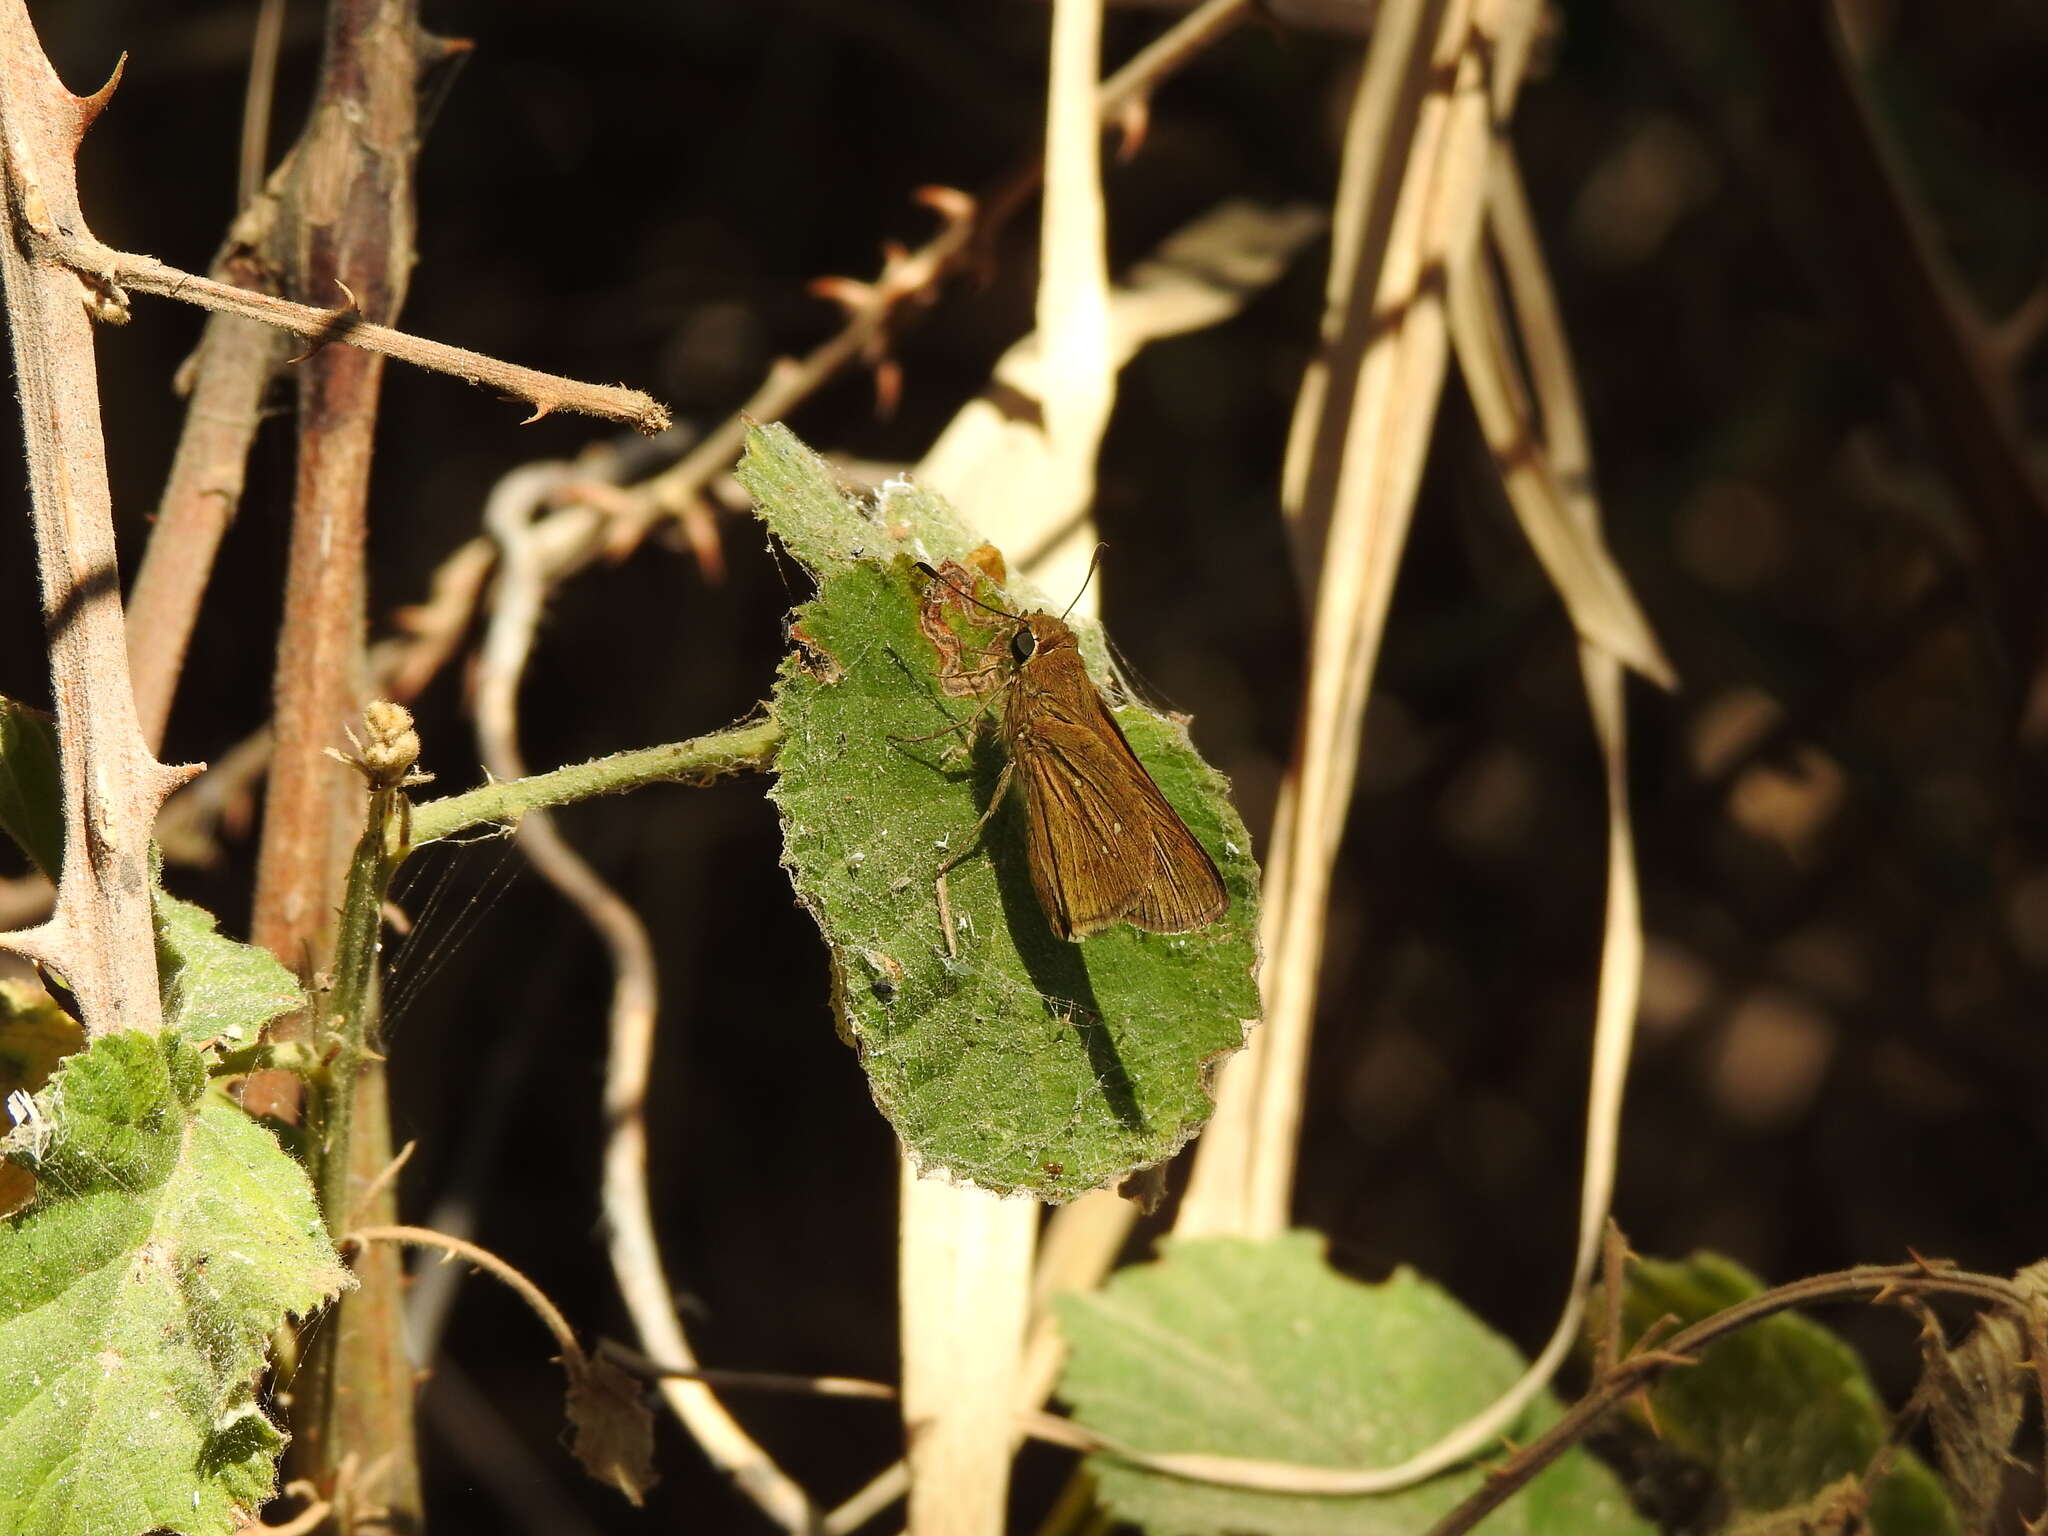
[636, 1256]
[452, 1247]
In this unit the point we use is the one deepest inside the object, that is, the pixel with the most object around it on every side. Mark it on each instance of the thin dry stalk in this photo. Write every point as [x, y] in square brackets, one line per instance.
[1239, 1140]
[1549, 484]
[629, 1222]
[101, 935]
[1631, 1375]
[749, 1381]
[235, 361]
[229, 374]
[964, 1288]
[451, 1247]
[264, 45]
[1073, 285]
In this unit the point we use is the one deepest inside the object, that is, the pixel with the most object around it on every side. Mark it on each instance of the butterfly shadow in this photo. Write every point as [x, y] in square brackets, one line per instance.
[1058, 969]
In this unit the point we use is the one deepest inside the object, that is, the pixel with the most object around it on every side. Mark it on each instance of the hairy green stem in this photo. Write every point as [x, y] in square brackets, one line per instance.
[750, 744]
[348, 1014]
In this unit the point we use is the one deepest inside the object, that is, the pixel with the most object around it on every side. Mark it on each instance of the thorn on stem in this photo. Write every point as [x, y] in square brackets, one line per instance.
[1133, 123]
[90, 107]
[949, 203]
[850, 294]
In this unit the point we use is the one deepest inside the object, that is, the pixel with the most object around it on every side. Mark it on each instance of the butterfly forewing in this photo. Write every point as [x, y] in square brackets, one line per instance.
[1104, 846]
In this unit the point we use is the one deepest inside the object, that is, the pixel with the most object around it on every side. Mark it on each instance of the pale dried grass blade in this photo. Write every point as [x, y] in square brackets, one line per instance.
[1073, 283]
[1376, 137]
[1080, 1242]
[1375, 401]
[868, 1501]
[1540, 328]
[1549, 484]
[1507, 419]
[964, 1283]
[1570, 548]
[1006, 473]
[1566, 494]
[992, 459]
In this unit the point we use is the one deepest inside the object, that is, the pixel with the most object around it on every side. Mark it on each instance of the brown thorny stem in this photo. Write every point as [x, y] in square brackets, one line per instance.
[344, 216]
[101, 936]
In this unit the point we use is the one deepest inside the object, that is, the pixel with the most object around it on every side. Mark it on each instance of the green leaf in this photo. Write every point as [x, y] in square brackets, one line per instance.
[1027, 1063]
[31, 793]
[1778, 1411]
[215, 987]
[1259, 1349]
[169, 1238]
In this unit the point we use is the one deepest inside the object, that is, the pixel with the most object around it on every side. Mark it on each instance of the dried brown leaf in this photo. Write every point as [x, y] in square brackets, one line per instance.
[1976, 1395]
[613, 1424]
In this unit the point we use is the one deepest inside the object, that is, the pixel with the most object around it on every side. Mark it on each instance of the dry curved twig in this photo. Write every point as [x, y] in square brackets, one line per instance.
[1630, 1375]
[636, 1255]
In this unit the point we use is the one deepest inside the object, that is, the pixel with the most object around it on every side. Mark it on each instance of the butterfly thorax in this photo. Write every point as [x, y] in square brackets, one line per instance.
[1048, 667]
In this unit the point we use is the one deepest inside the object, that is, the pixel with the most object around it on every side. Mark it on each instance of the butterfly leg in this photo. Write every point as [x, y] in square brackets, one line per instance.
[958, 725]
[974, 841]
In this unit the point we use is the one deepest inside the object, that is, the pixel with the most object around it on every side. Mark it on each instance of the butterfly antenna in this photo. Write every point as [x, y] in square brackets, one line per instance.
[1094, 560]
[1000, 613]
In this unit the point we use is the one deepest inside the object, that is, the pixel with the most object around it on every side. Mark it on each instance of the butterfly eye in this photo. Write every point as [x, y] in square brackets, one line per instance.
[1022, 645]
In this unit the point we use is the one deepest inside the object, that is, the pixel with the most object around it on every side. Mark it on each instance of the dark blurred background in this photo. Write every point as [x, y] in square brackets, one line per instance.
[1844, 854]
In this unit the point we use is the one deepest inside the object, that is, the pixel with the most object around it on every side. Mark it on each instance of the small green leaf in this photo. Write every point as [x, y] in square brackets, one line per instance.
[1778, 1411]
[1260, 1350]
[169, 1238]
[215, 987]
[1027, 1063]
[31, 793]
